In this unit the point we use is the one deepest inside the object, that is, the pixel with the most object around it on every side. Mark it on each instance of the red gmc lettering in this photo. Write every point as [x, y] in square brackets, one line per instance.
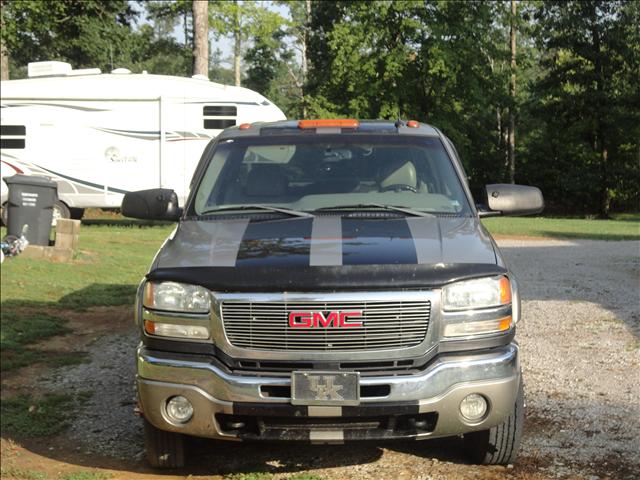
[319, 320]
[300, 320]
[344, 317]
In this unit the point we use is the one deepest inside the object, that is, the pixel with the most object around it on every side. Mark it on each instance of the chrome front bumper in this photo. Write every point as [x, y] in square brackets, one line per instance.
[439, 388]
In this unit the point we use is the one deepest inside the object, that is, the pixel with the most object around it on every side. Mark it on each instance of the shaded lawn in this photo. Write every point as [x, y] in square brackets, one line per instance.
[624, 227]
[35, 293]
[114, 257]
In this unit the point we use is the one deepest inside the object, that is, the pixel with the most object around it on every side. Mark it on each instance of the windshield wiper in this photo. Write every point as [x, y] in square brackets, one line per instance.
[230, 208]
[408, 211]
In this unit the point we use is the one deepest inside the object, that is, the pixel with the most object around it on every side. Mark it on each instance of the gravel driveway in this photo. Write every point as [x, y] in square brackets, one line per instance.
[580, 340]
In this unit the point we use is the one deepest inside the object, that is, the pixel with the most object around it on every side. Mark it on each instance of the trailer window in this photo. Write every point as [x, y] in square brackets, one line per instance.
[220, 110]
[219, 117]
[12, 136]
[218, 124]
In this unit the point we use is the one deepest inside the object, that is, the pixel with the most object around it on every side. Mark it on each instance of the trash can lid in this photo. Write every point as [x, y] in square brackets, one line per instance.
[20, 179]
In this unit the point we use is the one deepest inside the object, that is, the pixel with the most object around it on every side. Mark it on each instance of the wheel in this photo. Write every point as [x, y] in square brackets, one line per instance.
[77, 213]
[4, 215]
[498, 445]
[60, 210]
[164, 449]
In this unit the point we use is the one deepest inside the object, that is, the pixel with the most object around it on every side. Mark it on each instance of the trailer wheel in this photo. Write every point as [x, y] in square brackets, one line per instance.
[164, 449]
[77, 213]
[60, 210]
[498, 445]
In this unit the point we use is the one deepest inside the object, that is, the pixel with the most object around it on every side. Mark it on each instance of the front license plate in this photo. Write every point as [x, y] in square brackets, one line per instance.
[325, 388]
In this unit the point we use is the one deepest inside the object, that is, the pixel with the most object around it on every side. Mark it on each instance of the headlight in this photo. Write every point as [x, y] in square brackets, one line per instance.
[479, 293]
[177, 297]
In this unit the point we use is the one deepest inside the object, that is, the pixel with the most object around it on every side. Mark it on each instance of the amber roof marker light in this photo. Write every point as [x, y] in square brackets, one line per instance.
[329, 123]
[413, 124]
[244, 126]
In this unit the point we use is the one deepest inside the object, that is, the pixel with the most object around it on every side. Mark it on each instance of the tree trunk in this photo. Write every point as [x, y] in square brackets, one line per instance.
[304, 61]
[512, 93]
[237, 46]
[601, 146]
[200, 10]
[605, 205]
[4, 52]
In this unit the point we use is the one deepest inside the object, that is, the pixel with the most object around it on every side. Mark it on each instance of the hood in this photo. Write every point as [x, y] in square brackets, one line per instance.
[326, 250]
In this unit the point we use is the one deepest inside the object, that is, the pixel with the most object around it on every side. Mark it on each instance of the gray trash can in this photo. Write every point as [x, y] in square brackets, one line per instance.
[30, 203]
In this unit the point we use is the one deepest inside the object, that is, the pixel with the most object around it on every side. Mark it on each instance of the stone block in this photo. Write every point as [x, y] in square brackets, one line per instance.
[68, 226]
[66, 241]
[62, 255]
[34, 252]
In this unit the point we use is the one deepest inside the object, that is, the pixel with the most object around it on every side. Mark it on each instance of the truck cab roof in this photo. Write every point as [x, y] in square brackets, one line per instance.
[333, 126]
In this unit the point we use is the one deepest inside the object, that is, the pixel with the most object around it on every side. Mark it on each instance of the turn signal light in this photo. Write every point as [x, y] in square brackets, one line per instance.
[478, 327]
[505, 291]
[149, 327]
[194, 332]
[328, 123]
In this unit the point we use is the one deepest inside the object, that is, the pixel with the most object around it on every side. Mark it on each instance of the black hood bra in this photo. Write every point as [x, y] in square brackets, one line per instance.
[326, 252]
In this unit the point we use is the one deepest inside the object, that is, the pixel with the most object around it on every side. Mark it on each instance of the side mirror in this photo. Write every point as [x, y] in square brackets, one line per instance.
[154, 204]
[508, 199]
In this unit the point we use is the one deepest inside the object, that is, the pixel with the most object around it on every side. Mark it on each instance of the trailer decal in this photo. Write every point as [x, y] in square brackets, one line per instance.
[140, 135]
[73, 107]
[84, 182]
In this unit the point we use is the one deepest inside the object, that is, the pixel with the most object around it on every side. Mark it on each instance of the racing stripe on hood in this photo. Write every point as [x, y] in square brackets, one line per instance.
[225, 242]
[284, 242]
[426, 239]
[326, 241]
[385, 241]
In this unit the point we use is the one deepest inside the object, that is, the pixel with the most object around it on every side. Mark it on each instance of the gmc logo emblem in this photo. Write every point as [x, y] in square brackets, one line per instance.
[320, 320]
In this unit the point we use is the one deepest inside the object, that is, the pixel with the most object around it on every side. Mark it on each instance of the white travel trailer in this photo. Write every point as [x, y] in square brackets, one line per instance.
[102, 135]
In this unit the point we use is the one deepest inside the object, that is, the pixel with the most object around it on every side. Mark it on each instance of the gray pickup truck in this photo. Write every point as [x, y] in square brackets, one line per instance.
[330, 281]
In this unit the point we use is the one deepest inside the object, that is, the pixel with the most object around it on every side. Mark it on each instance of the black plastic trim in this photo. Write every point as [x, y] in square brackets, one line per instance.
[330, 278]
[189, 348]
[208, 353]
[362, 410]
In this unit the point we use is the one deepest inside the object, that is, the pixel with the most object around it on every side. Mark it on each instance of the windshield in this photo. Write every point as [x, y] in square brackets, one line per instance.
[306, 173]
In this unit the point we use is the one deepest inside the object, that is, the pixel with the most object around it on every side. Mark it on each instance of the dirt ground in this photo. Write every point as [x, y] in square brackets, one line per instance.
[580, 340]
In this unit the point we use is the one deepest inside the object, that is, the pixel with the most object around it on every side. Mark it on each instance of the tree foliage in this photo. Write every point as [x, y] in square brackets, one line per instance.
[577, 108]
[588, 102]
[448, 63]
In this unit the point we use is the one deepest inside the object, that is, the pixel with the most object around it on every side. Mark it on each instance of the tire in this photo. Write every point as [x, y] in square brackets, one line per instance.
[164, 449]
[498, 445]
[60, 210]
[77, 213]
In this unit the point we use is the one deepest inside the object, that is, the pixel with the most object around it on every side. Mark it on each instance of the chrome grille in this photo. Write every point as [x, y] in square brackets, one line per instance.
[386, 325]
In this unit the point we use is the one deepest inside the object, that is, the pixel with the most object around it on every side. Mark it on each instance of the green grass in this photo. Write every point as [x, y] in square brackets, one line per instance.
[623, 227]
[85, 475]
[35, 293]
[17, 331]
[29, 416]
[22, 474]
[111, 263]
[268, 476]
